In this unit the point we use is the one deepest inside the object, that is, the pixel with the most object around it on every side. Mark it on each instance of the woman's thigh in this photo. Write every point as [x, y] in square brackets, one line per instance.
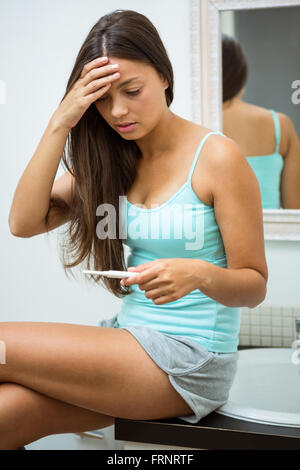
[26, 416]
[104, 370]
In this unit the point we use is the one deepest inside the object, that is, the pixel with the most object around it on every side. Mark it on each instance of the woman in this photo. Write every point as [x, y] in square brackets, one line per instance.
[268, 139]
[172, 349]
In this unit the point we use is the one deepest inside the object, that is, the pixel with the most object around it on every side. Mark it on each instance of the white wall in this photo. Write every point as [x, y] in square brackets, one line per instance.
[39, 41]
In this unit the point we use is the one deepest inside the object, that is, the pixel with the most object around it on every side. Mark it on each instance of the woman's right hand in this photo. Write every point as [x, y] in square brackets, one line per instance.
[96, 78]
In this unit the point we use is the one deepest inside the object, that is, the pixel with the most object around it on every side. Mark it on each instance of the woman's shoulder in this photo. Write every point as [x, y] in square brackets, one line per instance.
[285, 124]
[217, 146]
[221, 154]
[221, 167]
[216, 149]
[198, 132]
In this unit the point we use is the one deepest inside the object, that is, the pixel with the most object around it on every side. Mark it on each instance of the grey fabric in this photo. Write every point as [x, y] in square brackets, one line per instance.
[201, 377]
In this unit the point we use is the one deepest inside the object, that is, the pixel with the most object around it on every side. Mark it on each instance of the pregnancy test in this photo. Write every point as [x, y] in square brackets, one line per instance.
[111, 273]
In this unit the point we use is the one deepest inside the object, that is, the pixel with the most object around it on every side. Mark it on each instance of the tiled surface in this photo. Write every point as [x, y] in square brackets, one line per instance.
[268, 325]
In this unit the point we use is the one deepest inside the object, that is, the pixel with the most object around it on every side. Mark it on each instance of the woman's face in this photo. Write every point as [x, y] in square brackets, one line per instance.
[141, 101]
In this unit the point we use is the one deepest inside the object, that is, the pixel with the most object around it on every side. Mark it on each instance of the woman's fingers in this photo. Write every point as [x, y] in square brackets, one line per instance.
[94, 63]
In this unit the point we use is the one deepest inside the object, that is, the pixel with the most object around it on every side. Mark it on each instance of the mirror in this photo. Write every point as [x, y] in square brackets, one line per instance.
[261, 94]
[258, 74]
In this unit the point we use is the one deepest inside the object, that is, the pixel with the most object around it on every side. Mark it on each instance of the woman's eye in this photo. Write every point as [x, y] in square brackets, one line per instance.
[134, 92]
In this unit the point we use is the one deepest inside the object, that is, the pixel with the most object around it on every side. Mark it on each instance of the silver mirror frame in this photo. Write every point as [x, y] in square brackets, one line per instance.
[206, 64]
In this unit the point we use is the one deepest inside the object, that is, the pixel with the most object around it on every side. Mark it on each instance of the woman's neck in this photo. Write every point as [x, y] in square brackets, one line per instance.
[163, 137]
[231, 104]
[234, 102]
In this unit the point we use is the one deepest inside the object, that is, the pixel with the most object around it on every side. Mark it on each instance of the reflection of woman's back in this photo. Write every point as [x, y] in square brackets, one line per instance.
[263, 135]
[258, 133]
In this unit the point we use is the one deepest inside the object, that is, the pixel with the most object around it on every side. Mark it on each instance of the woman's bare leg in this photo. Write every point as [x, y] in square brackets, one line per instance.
[27, 416]
[104, 370]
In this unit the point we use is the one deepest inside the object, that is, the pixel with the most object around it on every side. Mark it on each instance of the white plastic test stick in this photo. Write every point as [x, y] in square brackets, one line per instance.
[111, 273]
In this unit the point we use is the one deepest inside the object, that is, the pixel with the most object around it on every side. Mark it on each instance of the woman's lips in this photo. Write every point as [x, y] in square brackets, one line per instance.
[127, 128]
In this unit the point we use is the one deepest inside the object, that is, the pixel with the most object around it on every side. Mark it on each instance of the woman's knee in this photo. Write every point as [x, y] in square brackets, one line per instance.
[17, 415]
[26, 415]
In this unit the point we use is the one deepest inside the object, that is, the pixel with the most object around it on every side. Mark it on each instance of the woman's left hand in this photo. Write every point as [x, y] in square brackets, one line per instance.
[166, 280]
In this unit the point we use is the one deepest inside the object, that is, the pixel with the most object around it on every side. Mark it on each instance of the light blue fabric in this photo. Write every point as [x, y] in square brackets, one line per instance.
[184, 227]
[267, 169]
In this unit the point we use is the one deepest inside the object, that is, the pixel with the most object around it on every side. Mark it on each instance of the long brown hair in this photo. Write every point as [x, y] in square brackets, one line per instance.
[234, 67]
[102, 163]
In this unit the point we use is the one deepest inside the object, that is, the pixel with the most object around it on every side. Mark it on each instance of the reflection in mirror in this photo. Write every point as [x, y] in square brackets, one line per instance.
[267, 136]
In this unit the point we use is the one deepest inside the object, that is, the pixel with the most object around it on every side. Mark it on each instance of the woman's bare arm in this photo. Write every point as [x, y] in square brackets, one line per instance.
[32, 196]
[290, 176]
[60, 204]
[238, 212]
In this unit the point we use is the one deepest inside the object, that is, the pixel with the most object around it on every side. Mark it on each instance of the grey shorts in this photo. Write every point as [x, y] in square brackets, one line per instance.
[201, 377]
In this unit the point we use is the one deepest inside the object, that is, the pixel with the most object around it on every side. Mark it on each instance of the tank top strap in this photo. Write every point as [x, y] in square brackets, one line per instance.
[277, 129]
[199, 150]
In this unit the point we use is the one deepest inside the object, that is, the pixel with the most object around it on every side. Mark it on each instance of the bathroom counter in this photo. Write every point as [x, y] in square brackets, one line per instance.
[214, 432]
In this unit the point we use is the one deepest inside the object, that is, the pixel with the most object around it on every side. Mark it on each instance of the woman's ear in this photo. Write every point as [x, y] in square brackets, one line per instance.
[164, 81]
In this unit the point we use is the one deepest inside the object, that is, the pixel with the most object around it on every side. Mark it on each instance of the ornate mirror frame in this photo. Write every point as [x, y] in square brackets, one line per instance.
[206, 66]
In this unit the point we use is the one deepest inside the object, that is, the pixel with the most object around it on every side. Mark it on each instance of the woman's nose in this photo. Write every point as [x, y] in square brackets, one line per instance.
[118, 109]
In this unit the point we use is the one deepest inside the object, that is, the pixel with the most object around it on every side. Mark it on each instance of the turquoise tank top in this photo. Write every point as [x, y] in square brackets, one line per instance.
[182, 227]
[267, 169]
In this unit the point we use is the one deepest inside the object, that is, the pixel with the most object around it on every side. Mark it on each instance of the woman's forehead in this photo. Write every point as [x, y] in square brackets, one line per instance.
[132, 66]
